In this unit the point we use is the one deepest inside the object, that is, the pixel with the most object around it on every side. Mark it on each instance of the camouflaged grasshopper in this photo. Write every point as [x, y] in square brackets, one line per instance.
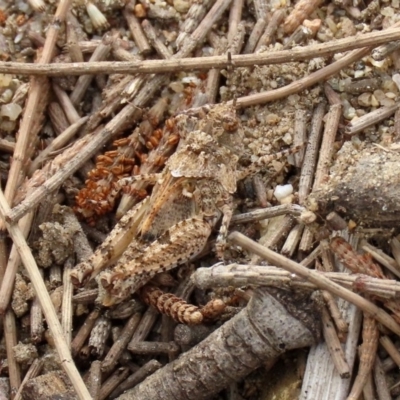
[190, 195]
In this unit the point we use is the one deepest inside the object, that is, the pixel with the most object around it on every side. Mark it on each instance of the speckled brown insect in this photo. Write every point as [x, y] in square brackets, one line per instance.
[189, 196]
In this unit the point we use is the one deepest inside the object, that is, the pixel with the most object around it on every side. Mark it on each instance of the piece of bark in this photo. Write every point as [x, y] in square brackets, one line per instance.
[363, 186]
[54, 385]
[274, 321]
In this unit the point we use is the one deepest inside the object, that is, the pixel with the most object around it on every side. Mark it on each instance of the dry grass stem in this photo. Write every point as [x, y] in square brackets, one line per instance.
[326, 257]
[272, 26]
[10, 337]
[321, 281]
[255, 35]
[66, 104]
[381, 385]
[66, 310]
[235, 17]
[307, 240]
[326, 150]
[368, 391]
[335, 313]
[83, 82]
[261, 8]
[136, 30]
[300, 135]
[292, 240]
[391, 349]
[303, 83]
[36, 319]
[153, 38]
[334, 345]
[309, 260]
[220, 62]
[370, 119]
[33, 372]
[60, 141]
[266, 213]
[286, 224]
[395, 247]
[311, 153]
[381, 257]
[7, 283]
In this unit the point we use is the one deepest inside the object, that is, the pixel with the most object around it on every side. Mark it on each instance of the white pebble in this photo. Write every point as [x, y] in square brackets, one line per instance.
[282, 191]
[11, 111]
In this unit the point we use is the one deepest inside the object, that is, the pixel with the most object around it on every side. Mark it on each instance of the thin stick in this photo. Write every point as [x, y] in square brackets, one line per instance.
[321, 281]
[66, 104]
[310, 157]
[244, 60]
[334, 346]
[335, 313]
[10, 336]
[151, 34]
[326, 150]
[235, 16]
[300, 135]
[292, 240]
[66, 310]
[382, 388]
[391, 349]
[60, 141]
[242, 275]
[94, 381]
[111, 359]
[13, 263]
[270, 30]
[255, 35]
[33, 372]
[84, 332]
[83, 82]
[113, 382]
[266, 213]
[36, 318]
[45, 301]
[370, 119]
[303, 83]
[136, 30]
[137, 377]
